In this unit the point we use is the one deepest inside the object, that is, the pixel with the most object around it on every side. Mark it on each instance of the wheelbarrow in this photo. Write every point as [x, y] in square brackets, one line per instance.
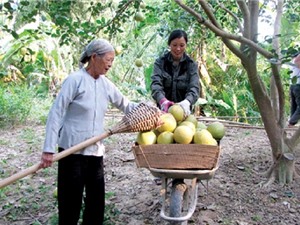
[181, 168]
[182, 197]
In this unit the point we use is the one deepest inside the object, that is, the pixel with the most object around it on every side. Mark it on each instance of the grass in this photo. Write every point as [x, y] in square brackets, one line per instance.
[15, 104]
[30, 200]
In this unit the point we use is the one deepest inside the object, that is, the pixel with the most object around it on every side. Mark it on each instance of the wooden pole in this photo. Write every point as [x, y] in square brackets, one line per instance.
[56, 157]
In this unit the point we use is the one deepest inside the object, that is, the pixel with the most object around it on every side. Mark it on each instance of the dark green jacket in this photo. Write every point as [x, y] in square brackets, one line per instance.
[175, 83]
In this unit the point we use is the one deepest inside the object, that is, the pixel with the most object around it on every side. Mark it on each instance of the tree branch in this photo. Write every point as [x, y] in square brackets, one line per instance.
[211, 26]
[226, 41]
[222, 6]
[140, 53]
[253, 8]
[210, 14]
[246, 16]
[277, 79]
[118, 14]
[224, 35]
[275, 68]
[294, 139]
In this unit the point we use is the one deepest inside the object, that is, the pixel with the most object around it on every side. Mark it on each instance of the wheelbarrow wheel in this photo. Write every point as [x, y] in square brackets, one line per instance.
[177, 199]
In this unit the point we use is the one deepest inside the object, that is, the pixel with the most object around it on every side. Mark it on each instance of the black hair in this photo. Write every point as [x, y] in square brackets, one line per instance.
[177, 34]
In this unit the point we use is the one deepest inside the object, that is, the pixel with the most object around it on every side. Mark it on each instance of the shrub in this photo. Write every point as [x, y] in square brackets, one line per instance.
[15, 104]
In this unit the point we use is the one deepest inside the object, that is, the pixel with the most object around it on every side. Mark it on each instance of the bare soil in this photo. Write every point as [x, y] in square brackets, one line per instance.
[233, 196]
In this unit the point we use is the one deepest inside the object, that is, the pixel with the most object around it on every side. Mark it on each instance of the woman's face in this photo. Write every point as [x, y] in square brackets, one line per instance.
[104, 62]
[178, 47]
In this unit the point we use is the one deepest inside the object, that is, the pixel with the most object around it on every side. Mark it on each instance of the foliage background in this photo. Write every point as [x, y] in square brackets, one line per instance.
[41, 42]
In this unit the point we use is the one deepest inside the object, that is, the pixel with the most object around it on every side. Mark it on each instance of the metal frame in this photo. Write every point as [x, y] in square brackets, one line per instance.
[190, 199]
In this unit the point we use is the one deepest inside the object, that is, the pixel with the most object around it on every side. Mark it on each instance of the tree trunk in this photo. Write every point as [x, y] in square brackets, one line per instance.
[271, 105]
[285, 169]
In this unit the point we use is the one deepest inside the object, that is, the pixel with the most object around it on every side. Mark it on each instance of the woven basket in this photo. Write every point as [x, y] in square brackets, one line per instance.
[176, 156]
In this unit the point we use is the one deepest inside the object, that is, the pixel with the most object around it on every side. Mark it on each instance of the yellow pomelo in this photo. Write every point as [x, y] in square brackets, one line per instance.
[204, 137]
[201, 125]
[189, 124]
[183, 135]
[177, 111]
[165, 137]
[169, 123]
[139, 16]
[217, 130]
[146, 138]
[138, 62]
[192, 119]
[118, 50]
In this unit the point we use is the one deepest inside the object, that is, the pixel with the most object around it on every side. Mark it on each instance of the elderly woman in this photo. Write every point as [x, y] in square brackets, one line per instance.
[76, 115]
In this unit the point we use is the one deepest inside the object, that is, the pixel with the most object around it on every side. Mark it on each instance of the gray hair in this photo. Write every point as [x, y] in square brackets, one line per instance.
[98, 46]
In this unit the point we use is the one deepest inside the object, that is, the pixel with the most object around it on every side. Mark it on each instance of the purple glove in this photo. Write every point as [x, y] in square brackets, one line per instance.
[165, 104]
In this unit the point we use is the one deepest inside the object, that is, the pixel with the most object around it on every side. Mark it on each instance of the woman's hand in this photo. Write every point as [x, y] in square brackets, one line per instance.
[165, 104]
[185, 104]
[46, 160]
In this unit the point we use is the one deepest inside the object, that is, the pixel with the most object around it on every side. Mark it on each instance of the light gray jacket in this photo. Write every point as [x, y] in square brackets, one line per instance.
[78, 112]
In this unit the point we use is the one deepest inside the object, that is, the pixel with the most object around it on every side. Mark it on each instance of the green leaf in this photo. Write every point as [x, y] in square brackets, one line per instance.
[14, 34]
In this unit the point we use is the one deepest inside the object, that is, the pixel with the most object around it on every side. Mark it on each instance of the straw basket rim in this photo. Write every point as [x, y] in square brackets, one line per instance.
[177, 156]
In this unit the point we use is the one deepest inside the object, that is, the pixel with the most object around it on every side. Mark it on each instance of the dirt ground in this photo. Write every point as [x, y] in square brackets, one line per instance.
[232, 196]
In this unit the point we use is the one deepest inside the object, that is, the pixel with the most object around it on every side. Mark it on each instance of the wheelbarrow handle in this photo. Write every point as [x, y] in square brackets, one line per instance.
[56, 157]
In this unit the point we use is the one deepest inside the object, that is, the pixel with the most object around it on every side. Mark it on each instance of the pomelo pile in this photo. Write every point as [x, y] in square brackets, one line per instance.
[177, 129]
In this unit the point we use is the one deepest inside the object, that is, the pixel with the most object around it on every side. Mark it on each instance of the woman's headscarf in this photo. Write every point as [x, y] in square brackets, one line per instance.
[98, 46]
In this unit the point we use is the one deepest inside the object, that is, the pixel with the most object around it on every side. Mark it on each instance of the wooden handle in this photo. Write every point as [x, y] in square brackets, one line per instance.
[56, 157]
